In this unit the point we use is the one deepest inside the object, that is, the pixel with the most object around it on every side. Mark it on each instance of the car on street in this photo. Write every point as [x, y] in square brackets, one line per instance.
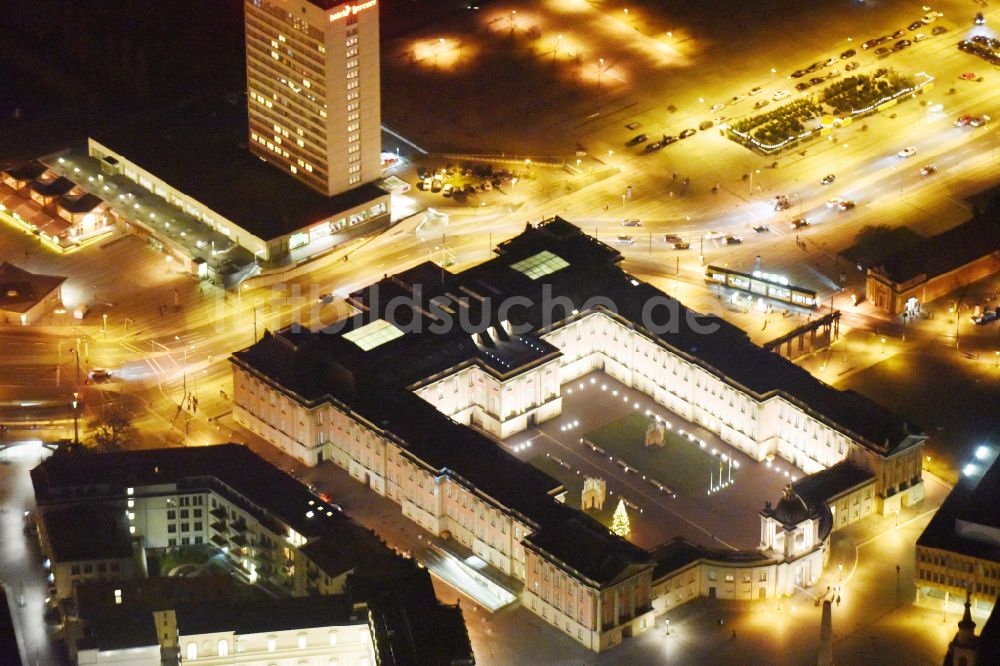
[799, 223]
[909, 151]
[681, 245]
[448, 190]
[830, 62]
[938, 30]
[986, 317]
[927, 169]
[870, 44]
[848, 54]
[780, 202]
[436, 185]
[919, 37]
[797, 74]
[653, 147]
[631, 222]
[713, 235]
[735, 99]
[780, 95]
[705, 124]
[882, 51]
[427, 184]
[898, 34]
[671, 238]
[755, 91]
[935, 108]
[732, 240]
[761, 103]
[968, 76]
[976, 121]
[716, 107]
[669, 139]
[833, 73]
[846, 204]
[624, 239]
[816, 80]
[833, 203]
[883, 39]
[827, 179]
[636, 140]
[686, 133]
[851, 66]
[930, 18]
[760, 228]
[980, 19]
[99, 374]
[802, 86]
[902, 44]
[916, 25]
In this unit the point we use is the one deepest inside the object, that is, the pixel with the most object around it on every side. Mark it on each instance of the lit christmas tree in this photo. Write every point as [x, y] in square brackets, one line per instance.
[619, 524]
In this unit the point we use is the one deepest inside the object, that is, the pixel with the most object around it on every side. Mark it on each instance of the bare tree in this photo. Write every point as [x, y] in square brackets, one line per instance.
[112, 430]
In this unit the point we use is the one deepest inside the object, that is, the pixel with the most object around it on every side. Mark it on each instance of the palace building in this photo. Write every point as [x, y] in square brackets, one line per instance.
[412, 403]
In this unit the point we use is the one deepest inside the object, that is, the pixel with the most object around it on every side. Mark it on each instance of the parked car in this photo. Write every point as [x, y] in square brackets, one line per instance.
[780, 95]
[833, 203]
[448, 190]
[802, 86]
[833, 73]
[760, 228]
[681, 245]
[705, 124]
[669, 139]
[436, 185]
[846, 204]
[797, 74]
[980, 19]
[871, 43]
[755, 91]
[816, 80]
[927, 169]
[636, 140]
[898, 34]
[780, 202]
[830, 62]
[99, 374]
[902, 44]
[671, 238]
[716, 107]
[851, 66]
[428, 183]
[882, 52]
[909, 151]
[735, 99]
[919, 37]
[761, 103]
[631, 222]
[653, 147]
[713, 235]
[916, 25]
[938, 30]
[799, 223]
[848, 54]
[968, 76]
[686, 133]
[732, 240]
[930, 18]
[827, 179]
[624, 239]
[986, 317]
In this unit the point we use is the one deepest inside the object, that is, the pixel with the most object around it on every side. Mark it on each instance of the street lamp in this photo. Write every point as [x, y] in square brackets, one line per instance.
[883, 346]
[752, 172]
[600, 70]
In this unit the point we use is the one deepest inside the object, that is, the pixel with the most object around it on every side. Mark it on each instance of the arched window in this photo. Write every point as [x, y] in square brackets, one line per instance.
[302, 641]
[223, 648]
[192, 651]
[333, 638]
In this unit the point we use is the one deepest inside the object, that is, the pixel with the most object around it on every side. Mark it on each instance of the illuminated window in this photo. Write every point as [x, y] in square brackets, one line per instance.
[333, 638]
[223, 648]
[539, 265]
[271, 643]
[373, 334]
[192, 651]
[302, 641]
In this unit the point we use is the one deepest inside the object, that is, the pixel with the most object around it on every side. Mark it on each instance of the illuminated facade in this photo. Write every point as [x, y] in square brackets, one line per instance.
[394, 409]
[313, 89]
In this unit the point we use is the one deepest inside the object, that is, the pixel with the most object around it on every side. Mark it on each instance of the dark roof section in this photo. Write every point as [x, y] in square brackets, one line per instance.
[27, 171]
[791, 509]
[973, 500]
[21, 290]
[87, 532]
[83, 203]
[119, 628]
[946, 251]
[268, 615]
[8, 636]
[224, 175]
[989, 638]
[677, 553]
[832, 482]
[53, 188]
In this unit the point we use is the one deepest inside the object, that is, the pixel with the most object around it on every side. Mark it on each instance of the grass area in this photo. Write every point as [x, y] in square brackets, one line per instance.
[679, 464]
[168, 560]
[573, 483]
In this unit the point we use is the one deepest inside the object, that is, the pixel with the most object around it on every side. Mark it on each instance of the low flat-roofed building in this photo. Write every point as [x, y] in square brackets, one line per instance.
[267, 523]
[87, 541]
[959, 550]
[26, 296]
[232, 191]
[938, 265]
